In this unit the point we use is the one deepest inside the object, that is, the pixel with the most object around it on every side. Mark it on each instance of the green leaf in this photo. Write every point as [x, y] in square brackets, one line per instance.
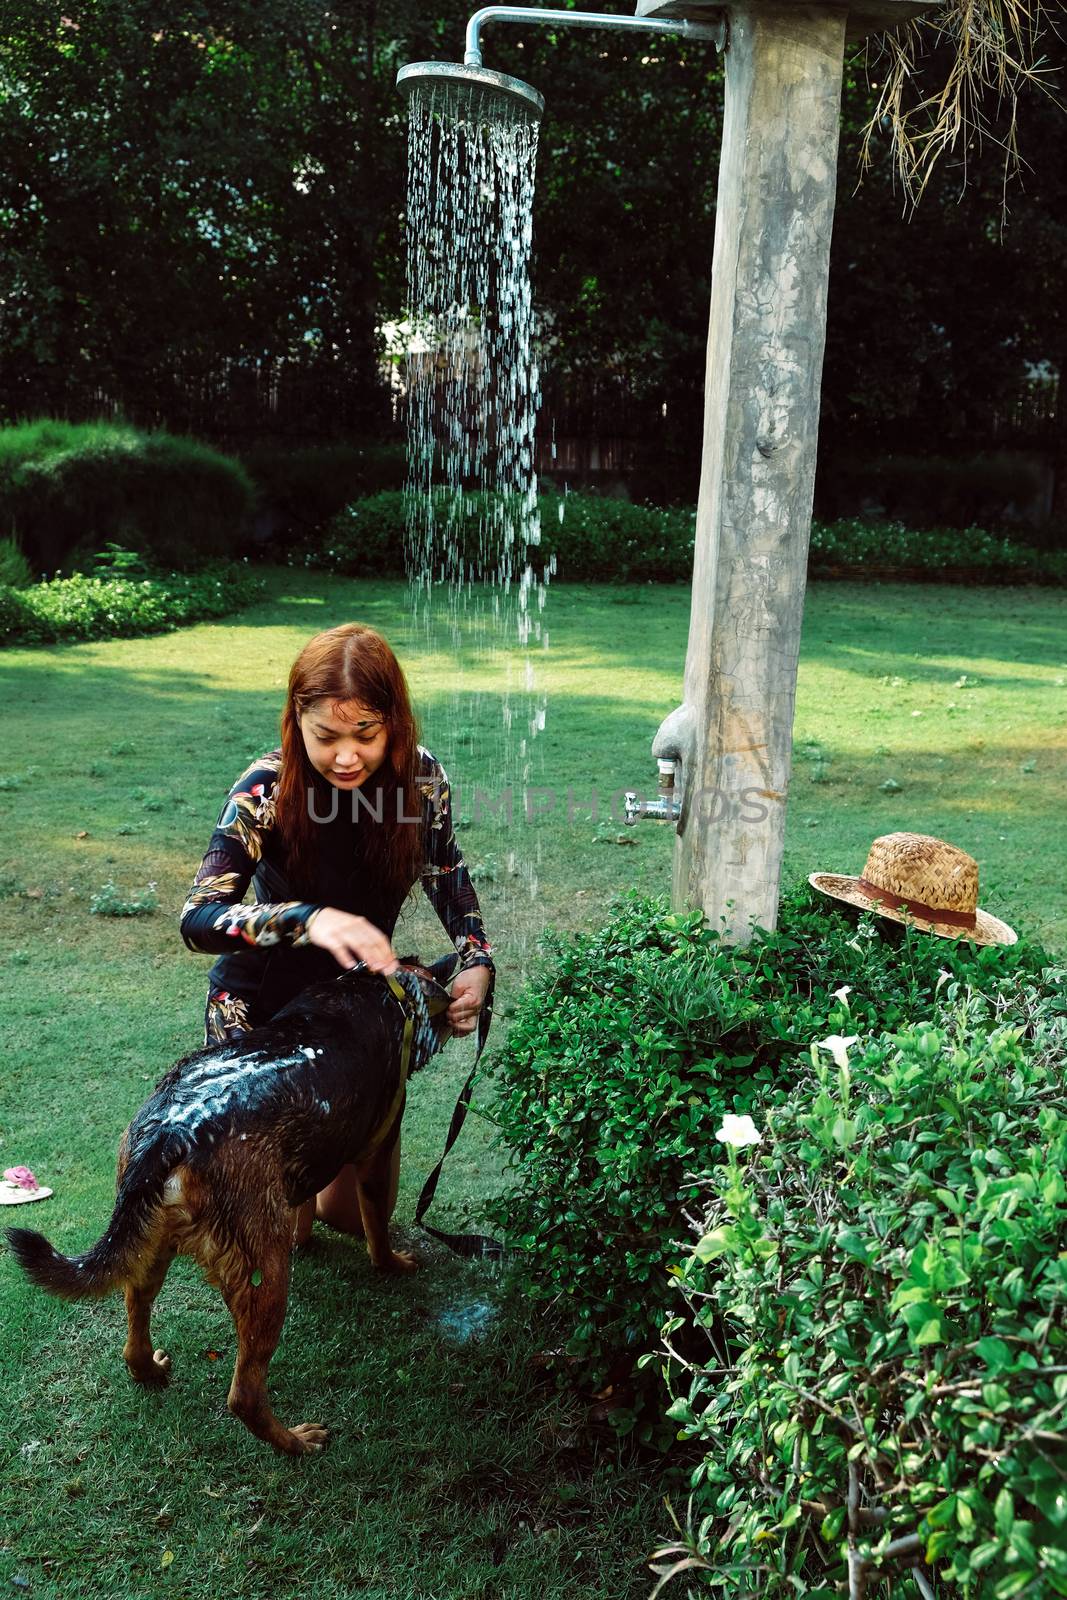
[1051, 1500]
[941, 1515]
[923, 1322]
[1014, 1583]
[853, 1244]
[716, 1243]
[995, 1353]
[1004, 1514]
[983, 1554]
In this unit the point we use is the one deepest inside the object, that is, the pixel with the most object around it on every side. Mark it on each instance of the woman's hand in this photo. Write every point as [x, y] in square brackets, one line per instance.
[468, 997]
[350, 939]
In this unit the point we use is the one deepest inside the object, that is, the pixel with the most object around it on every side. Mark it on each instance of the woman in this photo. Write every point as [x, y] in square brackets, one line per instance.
[332, 830]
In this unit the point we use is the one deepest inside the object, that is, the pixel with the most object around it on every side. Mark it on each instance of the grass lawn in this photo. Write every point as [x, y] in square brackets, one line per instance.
[451, 1473]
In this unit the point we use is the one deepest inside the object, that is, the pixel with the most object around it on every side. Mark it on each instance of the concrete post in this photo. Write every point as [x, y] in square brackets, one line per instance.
[777, 182]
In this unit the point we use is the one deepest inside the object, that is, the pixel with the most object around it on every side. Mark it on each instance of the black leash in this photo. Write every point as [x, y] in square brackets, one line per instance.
[472, 1245]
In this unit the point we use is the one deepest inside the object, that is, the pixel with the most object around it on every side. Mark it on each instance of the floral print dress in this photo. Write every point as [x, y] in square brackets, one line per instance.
[264, 956]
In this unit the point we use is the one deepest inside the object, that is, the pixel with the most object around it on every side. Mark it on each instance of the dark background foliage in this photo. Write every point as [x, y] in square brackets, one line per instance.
[202, 211]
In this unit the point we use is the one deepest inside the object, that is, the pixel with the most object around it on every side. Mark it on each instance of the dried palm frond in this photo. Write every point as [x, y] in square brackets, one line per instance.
[992, 51]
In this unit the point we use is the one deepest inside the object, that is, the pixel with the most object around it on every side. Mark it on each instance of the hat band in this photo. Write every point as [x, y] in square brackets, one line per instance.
[899, 902]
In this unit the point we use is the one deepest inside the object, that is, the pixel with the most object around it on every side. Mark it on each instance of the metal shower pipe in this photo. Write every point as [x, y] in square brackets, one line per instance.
[715, 31]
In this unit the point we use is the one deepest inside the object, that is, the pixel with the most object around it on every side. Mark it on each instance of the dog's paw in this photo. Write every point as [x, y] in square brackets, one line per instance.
[310, 1437]
[398, 1261]
[154, 1374]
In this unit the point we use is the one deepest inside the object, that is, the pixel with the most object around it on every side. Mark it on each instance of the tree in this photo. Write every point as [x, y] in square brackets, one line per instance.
[192, 201]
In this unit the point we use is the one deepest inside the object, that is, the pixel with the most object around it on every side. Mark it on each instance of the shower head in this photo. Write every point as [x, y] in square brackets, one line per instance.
[471, 94]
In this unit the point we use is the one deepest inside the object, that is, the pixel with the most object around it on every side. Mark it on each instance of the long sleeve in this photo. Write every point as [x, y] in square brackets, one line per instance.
[214, 918]
[445, 877]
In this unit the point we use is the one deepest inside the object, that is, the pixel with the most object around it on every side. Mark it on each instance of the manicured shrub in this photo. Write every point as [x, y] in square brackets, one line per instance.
[585, 538]
[117, 607]
[600, 539]
[882, 1287]
[624, 1052]
[366, 539]
[855, 548]
[594, 539]
[74, 486]
[369, 538]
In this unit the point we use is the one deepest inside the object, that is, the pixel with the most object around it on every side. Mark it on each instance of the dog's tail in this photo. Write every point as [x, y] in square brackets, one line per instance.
[109, 1261]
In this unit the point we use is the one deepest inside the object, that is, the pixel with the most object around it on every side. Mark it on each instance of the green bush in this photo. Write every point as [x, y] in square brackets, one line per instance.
[107, 607]
[366, 539]
[855, 548]
[67, 487]
[585, 538]
[15, 570]
[600, 539]
[882, 1285]
[622, 1056]
[595, 539]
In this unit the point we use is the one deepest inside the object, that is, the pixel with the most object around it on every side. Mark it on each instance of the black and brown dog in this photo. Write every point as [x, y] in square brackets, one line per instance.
[232, 1141]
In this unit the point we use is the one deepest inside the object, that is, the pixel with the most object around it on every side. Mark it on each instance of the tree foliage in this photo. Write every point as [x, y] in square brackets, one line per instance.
[189, 192]
[203, 222]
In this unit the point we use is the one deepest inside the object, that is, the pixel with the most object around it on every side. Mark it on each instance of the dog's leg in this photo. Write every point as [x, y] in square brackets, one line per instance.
[256, 1295]
[147, 1366]
[376, 1186]
[305, 1217]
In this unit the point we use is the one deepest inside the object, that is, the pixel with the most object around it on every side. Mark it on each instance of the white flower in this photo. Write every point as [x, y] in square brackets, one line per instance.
[737, 1132]
[838, 1047]
[843, 993]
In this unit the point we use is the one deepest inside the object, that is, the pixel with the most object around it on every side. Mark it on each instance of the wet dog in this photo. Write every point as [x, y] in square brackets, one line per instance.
[231, 1142]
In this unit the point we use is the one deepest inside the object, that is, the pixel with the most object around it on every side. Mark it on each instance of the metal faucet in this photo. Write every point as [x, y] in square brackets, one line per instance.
[665, 808]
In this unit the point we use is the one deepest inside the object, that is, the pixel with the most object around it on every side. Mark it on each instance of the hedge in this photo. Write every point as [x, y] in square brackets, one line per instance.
[82, 607]
[882, 1288]
[584, 537]
[623, 1053]
[67, 488]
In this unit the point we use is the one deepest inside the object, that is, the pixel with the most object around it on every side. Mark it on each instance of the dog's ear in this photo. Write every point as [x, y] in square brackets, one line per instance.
[443, 970]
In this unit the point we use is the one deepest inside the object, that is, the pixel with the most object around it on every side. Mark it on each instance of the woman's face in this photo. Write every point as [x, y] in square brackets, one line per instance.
[345, 741]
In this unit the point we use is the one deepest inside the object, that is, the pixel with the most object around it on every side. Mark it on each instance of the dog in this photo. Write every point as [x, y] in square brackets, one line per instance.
[233, 1139]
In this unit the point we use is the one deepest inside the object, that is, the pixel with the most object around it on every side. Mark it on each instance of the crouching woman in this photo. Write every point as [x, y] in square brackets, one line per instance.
[332, 830]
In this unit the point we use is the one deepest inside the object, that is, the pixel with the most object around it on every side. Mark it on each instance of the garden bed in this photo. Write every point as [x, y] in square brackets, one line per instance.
[68, 609]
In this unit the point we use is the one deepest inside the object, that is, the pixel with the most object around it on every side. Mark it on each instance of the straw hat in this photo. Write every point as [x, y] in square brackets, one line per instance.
[924, 882]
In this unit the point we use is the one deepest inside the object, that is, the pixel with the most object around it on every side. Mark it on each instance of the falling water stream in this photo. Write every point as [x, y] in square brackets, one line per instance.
[478, 585]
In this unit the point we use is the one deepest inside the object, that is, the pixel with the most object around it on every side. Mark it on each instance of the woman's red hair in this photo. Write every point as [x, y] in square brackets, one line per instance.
[351, 662]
